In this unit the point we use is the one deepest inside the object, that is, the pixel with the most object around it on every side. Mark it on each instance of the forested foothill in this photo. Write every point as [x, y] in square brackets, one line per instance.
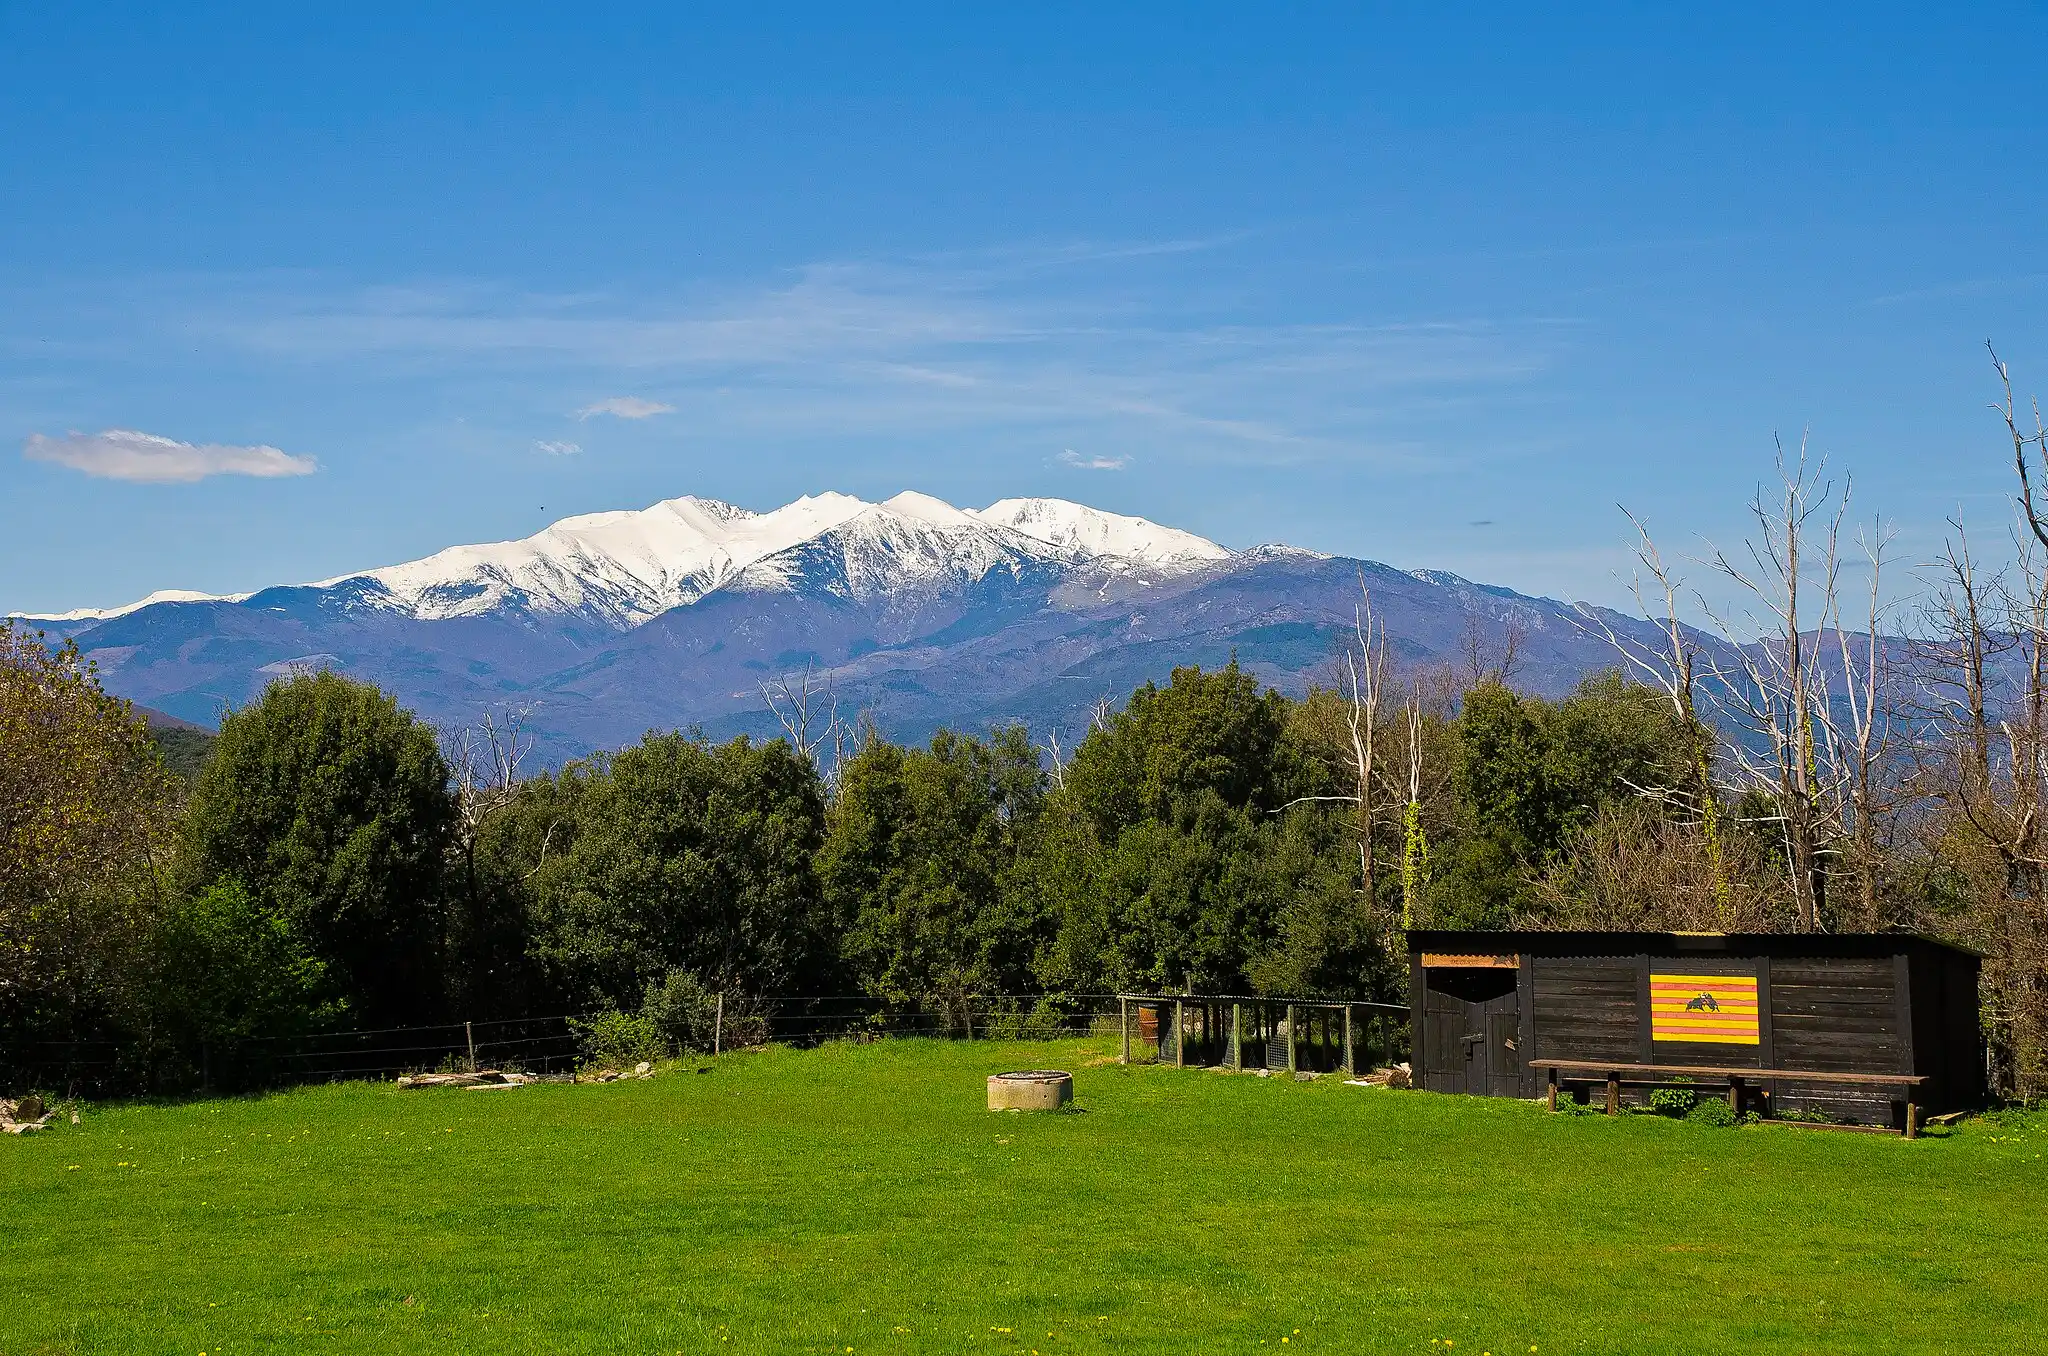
[1826, 763]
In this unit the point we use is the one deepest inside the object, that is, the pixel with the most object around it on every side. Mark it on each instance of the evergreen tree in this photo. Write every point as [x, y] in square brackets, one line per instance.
[331, 807]
[920, 860]
[676, 855]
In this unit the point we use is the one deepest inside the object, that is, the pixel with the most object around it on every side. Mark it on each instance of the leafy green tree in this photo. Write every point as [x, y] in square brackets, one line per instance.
[331, 806]
[1213, 733]
[87, 814]
[1324, 939]
[674, 855]
[1529, 774]
[920, 860]
[229, 971]
[1177, 852]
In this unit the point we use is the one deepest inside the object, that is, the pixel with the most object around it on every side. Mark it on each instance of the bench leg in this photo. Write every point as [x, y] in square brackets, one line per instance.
[1553, 1089]
[1735, 1095]
[1613, 1094]
[1912, 1121]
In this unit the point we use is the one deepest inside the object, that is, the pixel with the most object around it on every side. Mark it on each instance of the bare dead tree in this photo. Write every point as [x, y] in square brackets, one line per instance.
[484, 759]
[1773, 686]
[1954, 658]
[1364, 674]
[1414, 842]
[2018, 936]
[1365, 667]
[1487, 660]
[1859, 732]
[2026, 729]
[804, 706]
[1669, 663]
[1056, 760]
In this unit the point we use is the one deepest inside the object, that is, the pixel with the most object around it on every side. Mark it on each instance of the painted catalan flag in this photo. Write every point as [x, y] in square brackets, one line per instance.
[1715, 1009]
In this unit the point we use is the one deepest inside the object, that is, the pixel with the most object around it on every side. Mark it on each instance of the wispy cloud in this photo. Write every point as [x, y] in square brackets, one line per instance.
[626, 407]
[1151, 348]
[124, 454]
[1072, 458]
[558, 449]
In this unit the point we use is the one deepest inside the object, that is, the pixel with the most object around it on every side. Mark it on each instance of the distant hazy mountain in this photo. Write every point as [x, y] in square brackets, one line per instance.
[914, 611]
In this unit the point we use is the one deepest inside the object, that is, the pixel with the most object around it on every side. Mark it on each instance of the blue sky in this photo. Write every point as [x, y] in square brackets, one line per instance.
[1434, 292]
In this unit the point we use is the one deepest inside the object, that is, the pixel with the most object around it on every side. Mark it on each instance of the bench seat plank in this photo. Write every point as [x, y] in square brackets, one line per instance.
[1598, 1071]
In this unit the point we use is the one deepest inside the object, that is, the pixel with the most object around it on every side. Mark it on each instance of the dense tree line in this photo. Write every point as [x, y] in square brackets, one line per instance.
[335, 865]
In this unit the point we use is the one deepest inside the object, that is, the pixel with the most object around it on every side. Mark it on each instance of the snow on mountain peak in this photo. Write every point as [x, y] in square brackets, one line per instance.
[627, 566]
[1091, 532]
[109, 613]
[927, 509]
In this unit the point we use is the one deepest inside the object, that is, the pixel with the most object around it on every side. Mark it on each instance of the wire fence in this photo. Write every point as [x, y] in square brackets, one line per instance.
[552, 1045]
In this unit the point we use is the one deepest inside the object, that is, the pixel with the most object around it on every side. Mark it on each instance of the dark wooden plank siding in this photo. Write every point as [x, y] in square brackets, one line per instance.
[1838, 1015]
[1586, 1008]
[1947, 1044]
[1443, 1049]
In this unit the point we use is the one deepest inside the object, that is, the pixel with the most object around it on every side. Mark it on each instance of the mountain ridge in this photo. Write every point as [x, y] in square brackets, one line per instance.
[633, 564]
[911, 610]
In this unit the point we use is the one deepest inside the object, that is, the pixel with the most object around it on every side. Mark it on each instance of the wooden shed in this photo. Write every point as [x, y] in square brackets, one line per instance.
[1864, 1028]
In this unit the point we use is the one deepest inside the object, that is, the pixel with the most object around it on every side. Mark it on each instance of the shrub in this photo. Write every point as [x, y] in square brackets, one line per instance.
[1047, 1020]
[1673, 1101]
[614, 1039]
[228, 974]
[1713, 1111]
[682, 1012]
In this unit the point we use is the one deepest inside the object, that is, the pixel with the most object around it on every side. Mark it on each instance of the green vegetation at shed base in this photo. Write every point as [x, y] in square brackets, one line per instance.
[858, 1197]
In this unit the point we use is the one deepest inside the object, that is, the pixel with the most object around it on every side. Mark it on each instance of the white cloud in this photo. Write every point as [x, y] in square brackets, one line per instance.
[124, 454]
[1073, 458]
[626, 407]
[555, 449]
[1132, 346]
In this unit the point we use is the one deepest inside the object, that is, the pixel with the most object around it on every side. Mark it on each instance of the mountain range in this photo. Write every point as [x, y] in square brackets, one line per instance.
[912, 611]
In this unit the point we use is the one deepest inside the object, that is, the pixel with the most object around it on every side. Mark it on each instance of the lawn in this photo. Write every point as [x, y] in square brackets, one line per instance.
[859, 1199]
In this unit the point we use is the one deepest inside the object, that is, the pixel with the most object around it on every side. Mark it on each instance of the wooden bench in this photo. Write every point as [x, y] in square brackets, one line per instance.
[1614, 1075]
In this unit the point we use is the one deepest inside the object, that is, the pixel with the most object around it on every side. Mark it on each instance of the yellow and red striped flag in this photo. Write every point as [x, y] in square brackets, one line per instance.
[1715, 1009]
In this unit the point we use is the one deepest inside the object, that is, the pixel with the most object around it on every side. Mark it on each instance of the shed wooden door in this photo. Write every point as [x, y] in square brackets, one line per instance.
[1474, 1022]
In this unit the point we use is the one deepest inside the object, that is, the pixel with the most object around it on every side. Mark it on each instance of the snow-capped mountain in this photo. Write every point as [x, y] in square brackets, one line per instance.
[625, 568]
[917, 613]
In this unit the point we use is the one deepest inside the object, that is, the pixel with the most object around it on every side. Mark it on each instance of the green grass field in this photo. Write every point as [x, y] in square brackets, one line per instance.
[859, 1199]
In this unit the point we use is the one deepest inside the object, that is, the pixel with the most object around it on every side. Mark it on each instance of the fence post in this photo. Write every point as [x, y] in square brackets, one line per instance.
[1293, 1038]
[1180, 1035]
[718, 1027]
[1236, 1035]
[1350, 1050]
[1123, 1013]
[469, 1034]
